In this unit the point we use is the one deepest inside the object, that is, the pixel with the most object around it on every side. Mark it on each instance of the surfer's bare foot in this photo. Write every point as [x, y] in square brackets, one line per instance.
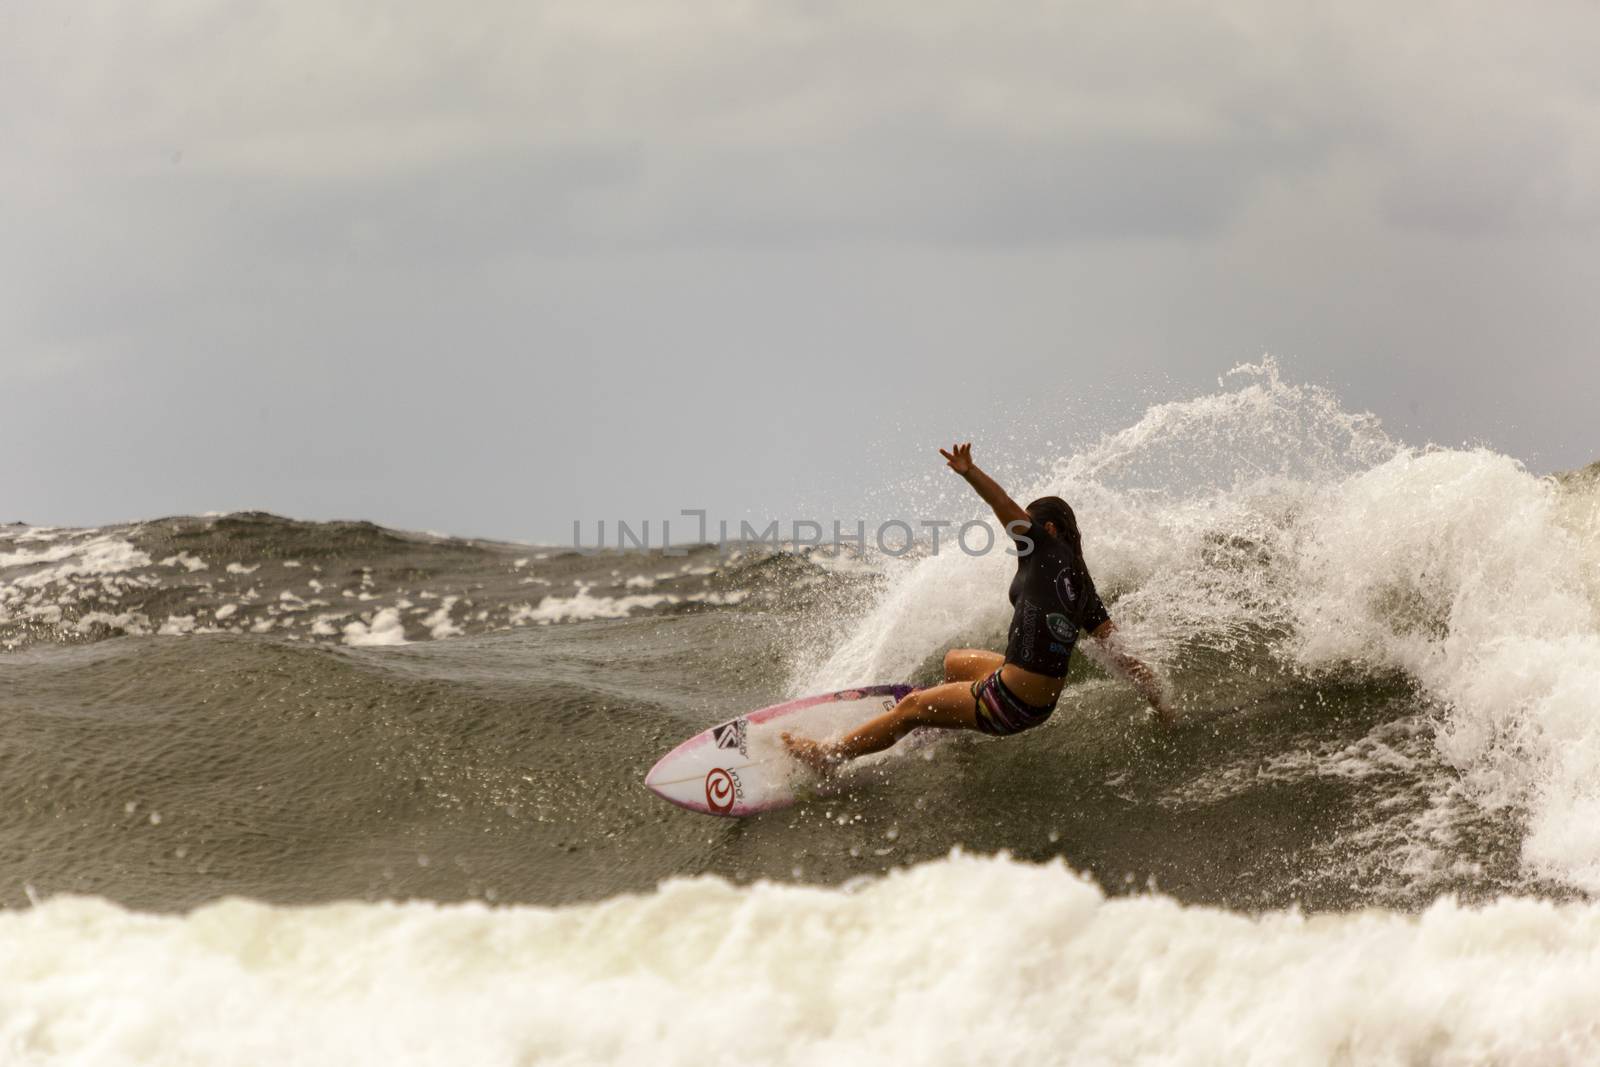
[813, 754]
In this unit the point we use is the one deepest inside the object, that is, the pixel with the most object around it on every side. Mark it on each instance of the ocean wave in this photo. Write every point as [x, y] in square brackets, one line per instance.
[955, 960]
[1265, 525]
[1412, 633]
[354, 583]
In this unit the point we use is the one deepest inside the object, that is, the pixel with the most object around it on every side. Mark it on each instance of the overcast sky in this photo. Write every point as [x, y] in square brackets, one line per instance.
[488, 268]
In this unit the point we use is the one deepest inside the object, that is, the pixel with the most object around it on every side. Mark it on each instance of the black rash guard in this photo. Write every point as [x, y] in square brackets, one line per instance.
[1054, 598]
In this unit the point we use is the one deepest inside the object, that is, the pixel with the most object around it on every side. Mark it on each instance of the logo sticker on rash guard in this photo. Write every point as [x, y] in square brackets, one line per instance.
[722, 789]
[1064, 586]
[1061, 626]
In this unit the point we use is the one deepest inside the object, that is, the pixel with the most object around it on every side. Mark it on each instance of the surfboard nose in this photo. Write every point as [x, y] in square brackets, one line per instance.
[652, 777]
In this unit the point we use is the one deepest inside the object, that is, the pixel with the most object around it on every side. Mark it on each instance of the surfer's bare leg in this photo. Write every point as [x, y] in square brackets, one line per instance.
[948, 707]
[971, 664]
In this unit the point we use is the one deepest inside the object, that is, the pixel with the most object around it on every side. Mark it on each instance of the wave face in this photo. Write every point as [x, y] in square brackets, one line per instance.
[1042, 967]
[1264, 540]
[1390, 655]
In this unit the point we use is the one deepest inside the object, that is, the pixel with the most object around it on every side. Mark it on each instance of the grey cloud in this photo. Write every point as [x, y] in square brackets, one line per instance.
[187, 238]
[1511, 180]
[333, 260]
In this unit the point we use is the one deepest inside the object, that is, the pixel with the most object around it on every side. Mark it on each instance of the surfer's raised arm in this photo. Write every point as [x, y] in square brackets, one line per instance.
[1008, 511]
[1134, 671]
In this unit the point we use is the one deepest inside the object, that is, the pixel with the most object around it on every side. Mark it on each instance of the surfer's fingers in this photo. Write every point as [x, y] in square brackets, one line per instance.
[959, 454]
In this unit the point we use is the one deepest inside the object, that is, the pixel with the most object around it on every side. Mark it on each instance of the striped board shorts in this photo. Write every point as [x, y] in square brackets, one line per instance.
[1001, 712]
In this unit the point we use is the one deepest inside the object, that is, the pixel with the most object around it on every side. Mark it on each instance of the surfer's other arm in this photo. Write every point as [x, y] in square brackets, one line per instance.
[1134, 671]
[1008, 511]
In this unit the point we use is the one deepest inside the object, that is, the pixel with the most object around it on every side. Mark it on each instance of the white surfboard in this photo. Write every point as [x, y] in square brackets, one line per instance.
[740, 767]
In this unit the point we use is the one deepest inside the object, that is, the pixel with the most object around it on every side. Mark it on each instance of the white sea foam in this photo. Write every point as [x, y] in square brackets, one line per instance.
[1265, 512]
[22, 535]
[439, 623]
[322, 625]
[385, 628]
[26, 558]
[39, 584]
[1457, 567]
[94, 557]
[583, 605]
[1045, 970]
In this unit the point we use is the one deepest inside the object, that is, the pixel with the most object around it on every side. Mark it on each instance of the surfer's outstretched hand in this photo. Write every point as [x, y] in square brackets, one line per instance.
[959, 457]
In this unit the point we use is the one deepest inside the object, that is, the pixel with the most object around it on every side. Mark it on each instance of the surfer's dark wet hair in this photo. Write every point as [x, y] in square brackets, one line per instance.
[1053, 509]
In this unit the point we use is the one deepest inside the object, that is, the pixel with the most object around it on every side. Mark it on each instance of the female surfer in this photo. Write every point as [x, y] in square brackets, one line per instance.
[1053, 598]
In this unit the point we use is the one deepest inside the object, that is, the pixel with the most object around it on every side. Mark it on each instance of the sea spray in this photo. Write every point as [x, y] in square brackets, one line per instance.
[953, 960]
[1266, 519]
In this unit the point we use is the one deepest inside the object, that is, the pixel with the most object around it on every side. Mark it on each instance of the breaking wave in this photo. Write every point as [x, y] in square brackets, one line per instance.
[954, 960]
[1264, 528]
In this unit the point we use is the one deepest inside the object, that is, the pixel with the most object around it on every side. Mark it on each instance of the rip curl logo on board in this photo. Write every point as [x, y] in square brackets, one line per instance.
[722, 789]
[733, 735]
